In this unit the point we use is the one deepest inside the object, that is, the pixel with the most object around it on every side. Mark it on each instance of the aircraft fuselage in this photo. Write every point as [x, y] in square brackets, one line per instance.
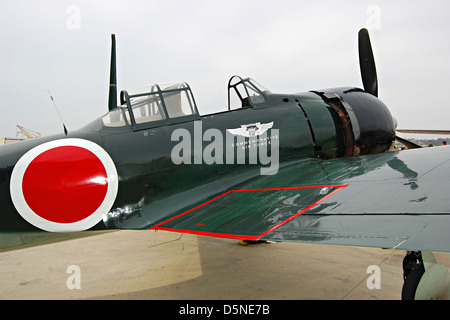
[167, 166]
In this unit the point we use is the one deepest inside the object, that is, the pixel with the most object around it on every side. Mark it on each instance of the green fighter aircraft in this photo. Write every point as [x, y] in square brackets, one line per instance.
[307, 167]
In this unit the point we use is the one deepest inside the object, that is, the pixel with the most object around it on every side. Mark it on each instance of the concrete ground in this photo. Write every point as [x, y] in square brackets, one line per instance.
[172, 266]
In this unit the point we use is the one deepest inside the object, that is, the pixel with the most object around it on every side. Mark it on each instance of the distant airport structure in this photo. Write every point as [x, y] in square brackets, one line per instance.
[21, 134]
[7, 140]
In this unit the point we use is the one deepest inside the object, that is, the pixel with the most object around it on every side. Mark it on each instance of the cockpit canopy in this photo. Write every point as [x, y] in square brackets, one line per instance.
[152, 106]
[248, 92]
[163, 104]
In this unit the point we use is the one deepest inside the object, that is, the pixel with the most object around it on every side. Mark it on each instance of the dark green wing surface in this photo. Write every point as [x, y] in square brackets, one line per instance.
[391, 200]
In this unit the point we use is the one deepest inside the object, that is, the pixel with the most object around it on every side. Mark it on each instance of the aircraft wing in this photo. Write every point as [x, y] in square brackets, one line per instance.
[392, 200]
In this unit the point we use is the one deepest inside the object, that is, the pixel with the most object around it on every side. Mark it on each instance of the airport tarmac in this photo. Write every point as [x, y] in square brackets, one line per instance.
[172, 266]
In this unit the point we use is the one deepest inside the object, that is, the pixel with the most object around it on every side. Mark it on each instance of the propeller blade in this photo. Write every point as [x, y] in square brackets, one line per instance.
[367, 63]
[424, 131]
[112, 102]
[408, 144]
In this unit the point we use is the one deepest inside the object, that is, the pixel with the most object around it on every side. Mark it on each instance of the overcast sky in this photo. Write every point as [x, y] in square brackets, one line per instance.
[287, 45]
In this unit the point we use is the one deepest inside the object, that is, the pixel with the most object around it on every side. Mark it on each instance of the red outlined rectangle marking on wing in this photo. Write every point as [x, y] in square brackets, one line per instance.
[248, 213]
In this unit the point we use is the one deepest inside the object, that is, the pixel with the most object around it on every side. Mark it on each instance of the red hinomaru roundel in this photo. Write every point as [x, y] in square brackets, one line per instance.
[64, 185]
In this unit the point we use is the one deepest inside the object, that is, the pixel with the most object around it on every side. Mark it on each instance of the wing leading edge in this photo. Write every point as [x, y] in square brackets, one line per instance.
[391, 200]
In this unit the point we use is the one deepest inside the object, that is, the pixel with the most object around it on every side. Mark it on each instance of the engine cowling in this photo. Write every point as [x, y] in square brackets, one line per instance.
[367, 124]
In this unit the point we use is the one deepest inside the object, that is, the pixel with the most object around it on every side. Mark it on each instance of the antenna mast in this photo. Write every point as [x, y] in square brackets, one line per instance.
[54, 104]
[112, 103]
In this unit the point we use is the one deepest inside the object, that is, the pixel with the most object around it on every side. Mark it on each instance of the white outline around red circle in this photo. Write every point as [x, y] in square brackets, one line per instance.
[29, 215]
